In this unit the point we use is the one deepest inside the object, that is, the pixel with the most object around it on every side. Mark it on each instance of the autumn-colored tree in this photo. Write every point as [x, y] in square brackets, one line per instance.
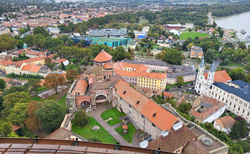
[71, 74]
[54, 80]
[47, 61]
[32, 122]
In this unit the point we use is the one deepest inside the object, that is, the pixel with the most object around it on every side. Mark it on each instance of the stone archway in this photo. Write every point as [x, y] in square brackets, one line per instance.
[100, 97]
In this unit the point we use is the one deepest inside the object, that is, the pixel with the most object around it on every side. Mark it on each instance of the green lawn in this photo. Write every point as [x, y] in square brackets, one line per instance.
[175, 85]
[62, 101]
[41, 89]
[232, 64]
[114, 114]
[87, 132]
[192, 35]
[129, 135]
[142, 21]
[168, 87]
[187, 92]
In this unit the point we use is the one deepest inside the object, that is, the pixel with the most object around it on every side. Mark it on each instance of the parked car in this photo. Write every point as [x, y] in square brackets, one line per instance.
[179, 86]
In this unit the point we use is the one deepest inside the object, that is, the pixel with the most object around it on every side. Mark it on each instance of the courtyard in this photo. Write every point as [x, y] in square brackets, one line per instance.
[108, 119]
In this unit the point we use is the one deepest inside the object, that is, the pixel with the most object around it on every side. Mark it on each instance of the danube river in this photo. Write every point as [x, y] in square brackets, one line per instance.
[236, 22]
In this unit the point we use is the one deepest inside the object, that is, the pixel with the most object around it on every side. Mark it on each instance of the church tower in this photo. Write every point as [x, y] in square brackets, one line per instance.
[200, 77]
[210, 78]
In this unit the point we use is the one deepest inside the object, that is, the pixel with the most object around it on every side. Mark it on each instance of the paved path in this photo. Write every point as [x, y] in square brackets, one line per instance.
[96, 114]
[117, 125]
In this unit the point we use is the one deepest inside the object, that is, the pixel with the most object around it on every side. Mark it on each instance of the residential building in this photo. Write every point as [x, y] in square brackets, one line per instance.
[224, 124]
[53, 30]
[152, 80]
[196, 52]
[34, 54]
[205, 81]
[207, 110]
[108, 32]
[235, 94]
[77, 39]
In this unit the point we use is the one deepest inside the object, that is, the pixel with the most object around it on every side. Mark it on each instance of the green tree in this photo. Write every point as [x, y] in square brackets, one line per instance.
[81, 119]
[119, 53]
[50, 115]
[18, 115]
[5, 129]
[12, 99]
[248, 77]
[239, 129]
[63, 66]
[239, 54]
[131, 20]
[214, 24]
[2, 84]
[40, 30]
[210, 56]
[180, 80]
[237, 74]
[173, 56]
[32, 85]
[137, 48]
[20, 44]
[247, 67]
[14, 89]
[184, 108]
[144, 49]
[71, 74]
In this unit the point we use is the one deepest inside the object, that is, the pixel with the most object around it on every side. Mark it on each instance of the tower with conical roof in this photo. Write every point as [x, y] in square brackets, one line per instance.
[210, 78]
[200, 78]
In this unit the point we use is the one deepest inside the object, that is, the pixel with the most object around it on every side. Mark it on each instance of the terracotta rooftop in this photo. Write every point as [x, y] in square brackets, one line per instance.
[226, 121]
[195, 147]
[215, 105]
[167, 94]
[152, 111]
[127, 73]
[7, 62]
[107, 66]
[153, 75]
[174, 140]
[80, 87]
[103, 56]
[220, 76]
[64, 134]
[15, 128]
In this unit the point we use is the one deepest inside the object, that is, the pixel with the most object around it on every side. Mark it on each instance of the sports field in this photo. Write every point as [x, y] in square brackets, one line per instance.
[192, 35]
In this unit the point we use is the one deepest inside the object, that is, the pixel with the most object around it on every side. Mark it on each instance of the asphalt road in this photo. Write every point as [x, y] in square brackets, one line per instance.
[183, 88]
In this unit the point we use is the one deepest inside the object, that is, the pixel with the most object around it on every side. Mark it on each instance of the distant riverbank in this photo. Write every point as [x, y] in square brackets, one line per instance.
[235, 22]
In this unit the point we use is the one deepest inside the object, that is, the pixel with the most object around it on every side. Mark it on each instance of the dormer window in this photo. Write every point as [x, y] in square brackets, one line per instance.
[154, 114]
[124, 92]
[137, 102]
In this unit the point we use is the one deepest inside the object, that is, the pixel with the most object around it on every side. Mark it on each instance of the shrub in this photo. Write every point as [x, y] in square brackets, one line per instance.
[81, 119]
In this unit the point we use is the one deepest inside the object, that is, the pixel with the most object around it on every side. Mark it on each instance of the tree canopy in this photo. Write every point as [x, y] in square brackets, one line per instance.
[53, 80]
[172, 56]
[50, 115]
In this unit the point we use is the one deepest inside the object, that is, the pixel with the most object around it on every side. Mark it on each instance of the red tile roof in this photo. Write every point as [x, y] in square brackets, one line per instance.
[153, 75]
[107, 66]
[15, 128]
[216, 105]
[220, 76]
[80, 87]
[7, 62]
[103, 56]
[145, 106]
[127, 73]
[167, 94]
[174, 140]
[226, 121]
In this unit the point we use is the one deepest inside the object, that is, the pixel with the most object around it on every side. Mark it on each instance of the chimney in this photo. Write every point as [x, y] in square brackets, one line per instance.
[164, 133]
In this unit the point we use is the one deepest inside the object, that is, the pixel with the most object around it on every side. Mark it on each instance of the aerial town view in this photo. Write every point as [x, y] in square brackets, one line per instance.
[125, 76]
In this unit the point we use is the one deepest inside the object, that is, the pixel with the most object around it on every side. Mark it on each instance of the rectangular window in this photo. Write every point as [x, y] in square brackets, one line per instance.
[142, 116]
[153, 125]
[129, 105]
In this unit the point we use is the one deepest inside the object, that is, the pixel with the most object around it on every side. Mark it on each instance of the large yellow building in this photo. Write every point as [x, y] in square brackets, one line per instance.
[152, 80]
[138, 75]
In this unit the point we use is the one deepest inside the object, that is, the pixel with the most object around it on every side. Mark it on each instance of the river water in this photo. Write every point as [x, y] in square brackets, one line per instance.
[236, 22]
